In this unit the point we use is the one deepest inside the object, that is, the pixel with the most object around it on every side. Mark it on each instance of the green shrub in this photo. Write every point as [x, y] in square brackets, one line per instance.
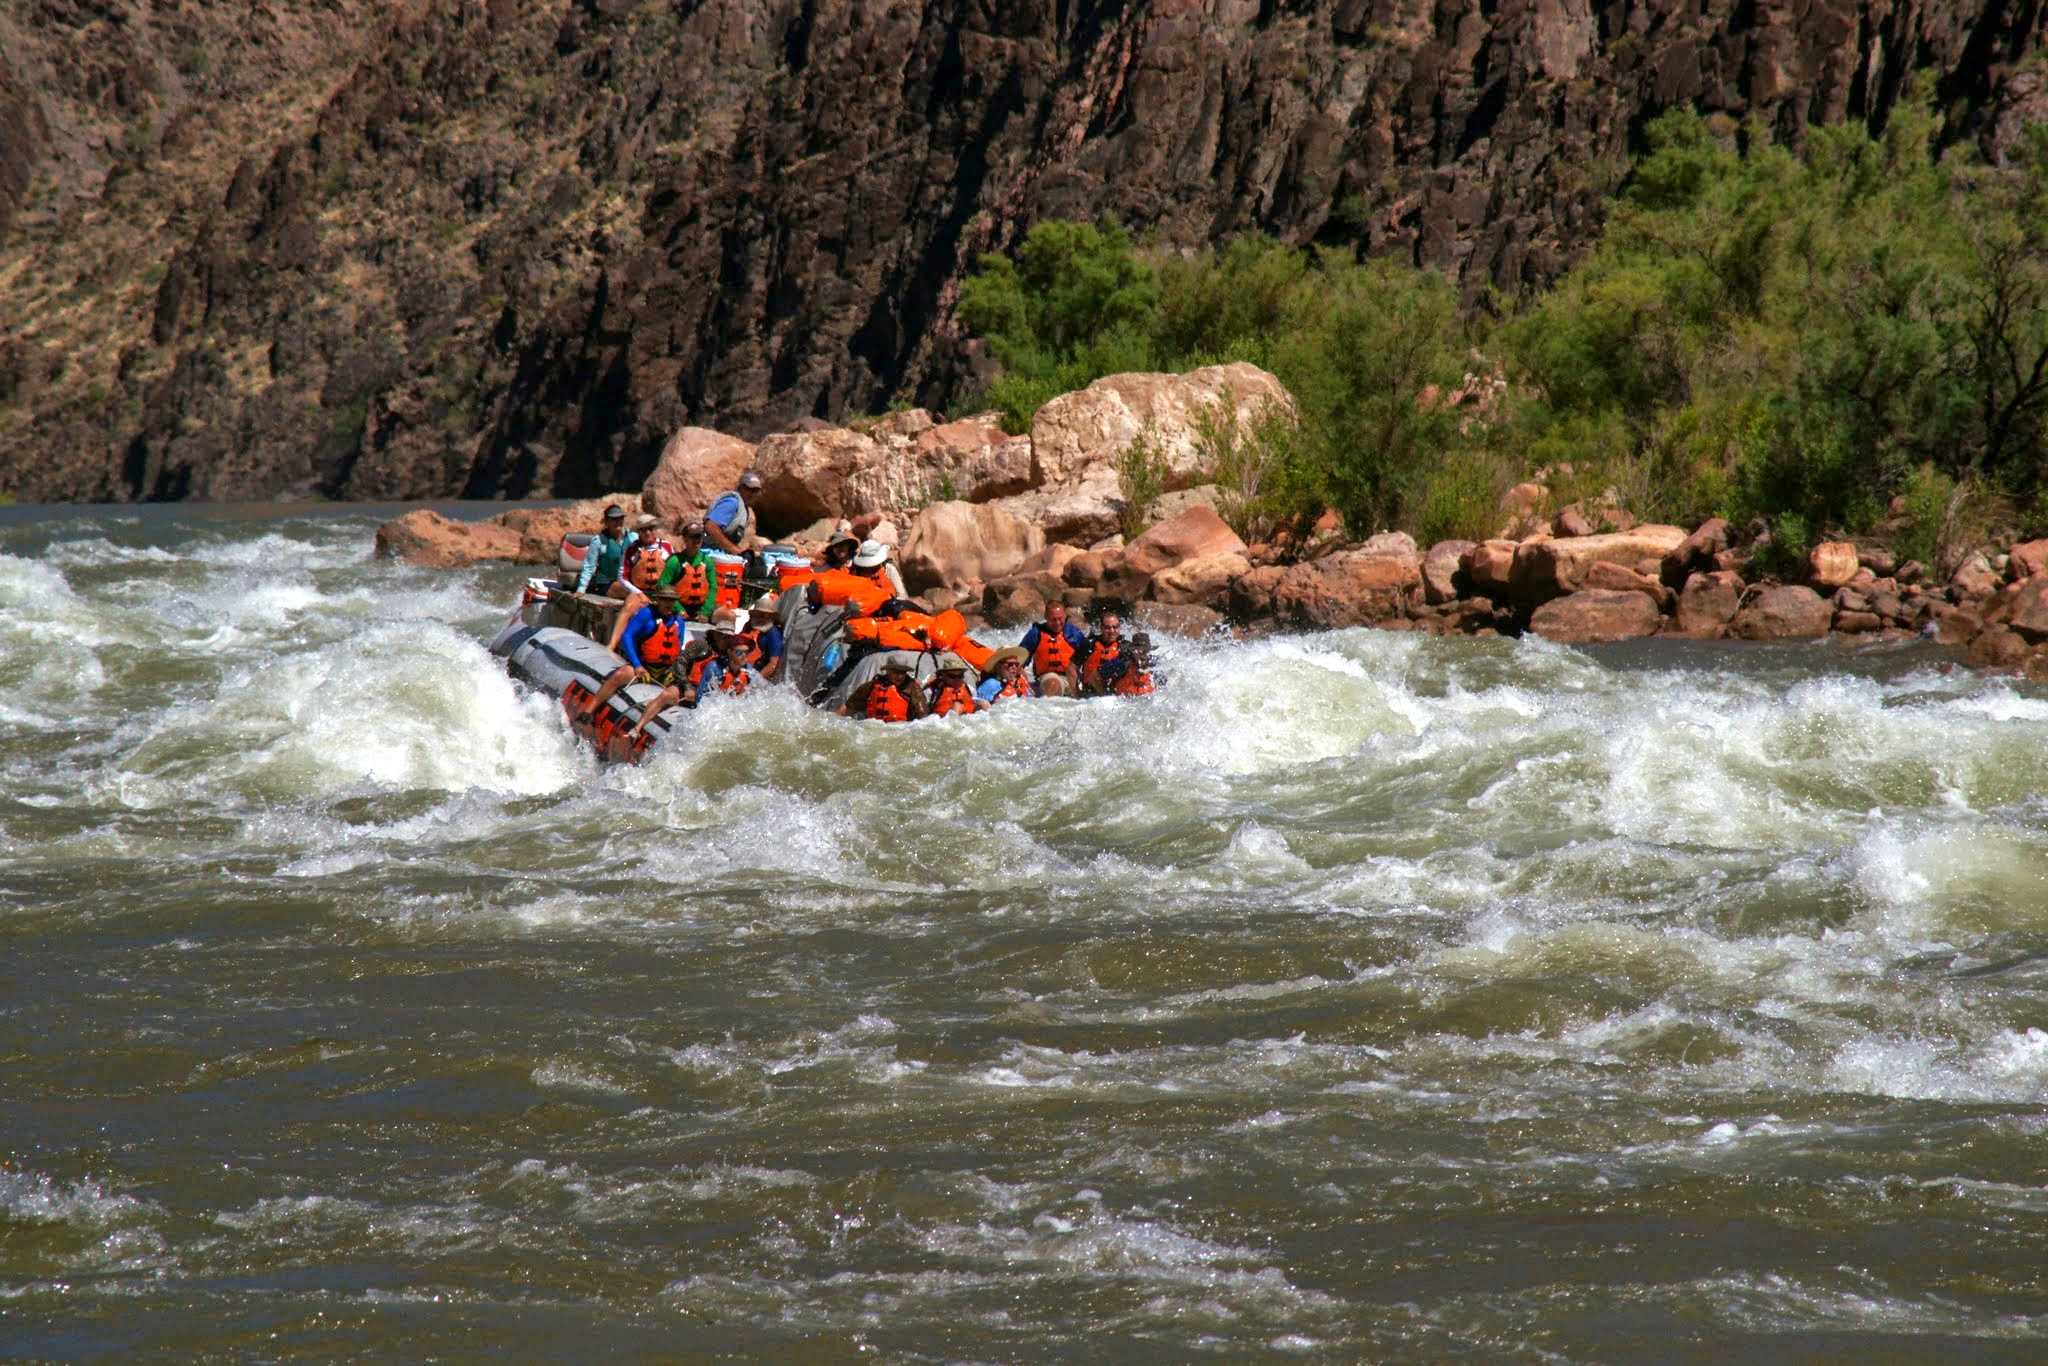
[1756, 332]
[1141, 474]
[1255, 462]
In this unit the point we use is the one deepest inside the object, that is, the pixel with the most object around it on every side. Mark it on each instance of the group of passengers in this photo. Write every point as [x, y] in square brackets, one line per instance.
[665, 584]
[1101, 665]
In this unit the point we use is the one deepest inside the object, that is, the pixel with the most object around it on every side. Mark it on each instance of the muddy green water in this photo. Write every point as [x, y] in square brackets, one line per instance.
[1360, 997]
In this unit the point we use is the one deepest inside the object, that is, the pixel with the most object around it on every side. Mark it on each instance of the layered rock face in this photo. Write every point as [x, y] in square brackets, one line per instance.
[508, 247]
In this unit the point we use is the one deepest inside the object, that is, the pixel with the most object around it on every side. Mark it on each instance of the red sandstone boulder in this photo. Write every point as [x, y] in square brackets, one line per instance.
[426, 538]
[1547, 569]
[952, 544]
[1707, 603]
[812, 474]
[1351, 589]
[697, 466]
[1975, 579]
[1831, 564]
[969, 461]
[1996, 647]
[1616, 579]
[1857, 623]
[1020, 599]
[1079, 514]
[2029, 610]
[1078, 433]
[1489, 568]
[1251, 593]
[1715, 536]
[1440, 569]
[1052, 559]
[1594, 615]
[1193, 534]
[1573, 521]
[1789, 612]
[2027, 559]
[1087, 568]
[1205, 579]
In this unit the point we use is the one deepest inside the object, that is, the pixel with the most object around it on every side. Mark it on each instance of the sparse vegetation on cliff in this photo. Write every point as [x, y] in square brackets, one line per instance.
[1757, 332]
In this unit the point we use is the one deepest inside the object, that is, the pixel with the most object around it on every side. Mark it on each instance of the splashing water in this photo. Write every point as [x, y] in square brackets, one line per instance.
[1359, 995]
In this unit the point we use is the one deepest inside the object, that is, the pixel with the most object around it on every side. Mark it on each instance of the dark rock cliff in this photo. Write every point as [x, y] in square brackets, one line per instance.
[504, 248]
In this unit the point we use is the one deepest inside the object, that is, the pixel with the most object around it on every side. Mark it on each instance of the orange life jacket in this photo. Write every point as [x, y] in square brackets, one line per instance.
[693, 585]
[1053, 654]
[733, 681]
[1020, 686]
[886, 704]
[645, 570]
[973, 651]
[661, 648]
[1103, 652]
[836, 587]
[1134, 684]
[948, 698]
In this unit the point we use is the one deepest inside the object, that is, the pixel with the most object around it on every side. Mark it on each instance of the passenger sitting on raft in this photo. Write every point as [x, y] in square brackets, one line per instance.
[840, 550]
[871, 561]
[693, 575]
[1004, 677]
[949, 691]
[652, 642]
[1135, 678]
[764, 623]
[891, 695]
[1055, 647]
[1105, 657]
[726, 671]
[605, 558]
[647, 554]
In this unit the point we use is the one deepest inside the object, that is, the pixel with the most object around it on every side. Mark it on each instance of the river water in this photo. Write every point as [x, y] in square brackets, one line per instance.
[1359, 996]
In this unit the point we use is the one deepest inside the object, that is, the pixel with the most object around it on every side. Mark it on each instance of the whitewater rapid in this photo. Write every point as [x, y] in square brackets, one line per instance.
[1358, 994]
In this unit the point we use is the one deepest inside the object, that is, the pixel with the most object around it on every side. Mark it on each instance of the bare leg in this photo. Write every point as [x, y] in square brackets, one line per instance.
[635, 600]
[620, 677]
[668, 697]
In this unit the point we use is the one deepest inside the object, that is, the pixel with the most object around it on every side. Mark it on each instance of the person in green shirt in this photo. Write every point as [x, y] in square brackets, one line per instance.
[692, 574]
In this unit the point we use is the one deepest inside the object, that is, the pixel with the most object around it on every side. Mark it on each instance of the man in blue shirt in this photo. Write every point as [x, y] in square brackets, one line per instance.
[730, 522]
[1056, 647]
[650, 651]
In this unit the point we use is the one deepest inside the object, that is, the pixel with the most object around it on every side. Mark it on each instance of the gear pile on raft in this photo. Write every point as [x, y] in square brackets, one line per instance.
[640, 625]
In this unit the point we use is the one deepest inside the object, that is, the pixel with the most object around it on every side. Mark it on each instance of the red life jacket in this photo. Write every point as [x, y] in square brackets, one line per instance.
[664, 646]
[1054, 654]
[948, 698]
[1134, 683]
[693, 586]
[886, 704]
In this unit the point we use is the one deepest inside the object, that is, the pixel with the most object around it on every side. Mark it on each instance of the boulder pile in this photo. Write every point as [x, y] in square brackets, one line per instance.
[998, 526]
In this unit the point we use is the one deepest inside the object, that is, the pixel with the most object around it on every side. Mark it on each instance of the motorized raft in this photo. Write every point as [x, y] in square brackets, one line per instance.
[839, 630]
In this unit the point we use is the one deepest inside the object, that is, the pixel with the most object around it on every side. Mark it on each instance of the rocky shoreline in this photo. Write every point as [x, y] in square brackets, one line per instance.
[996, 526]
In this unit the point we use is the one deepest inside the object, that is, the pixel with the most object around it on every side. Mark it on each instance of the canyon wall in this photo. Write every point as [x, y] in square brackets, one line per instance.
[329, 248]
